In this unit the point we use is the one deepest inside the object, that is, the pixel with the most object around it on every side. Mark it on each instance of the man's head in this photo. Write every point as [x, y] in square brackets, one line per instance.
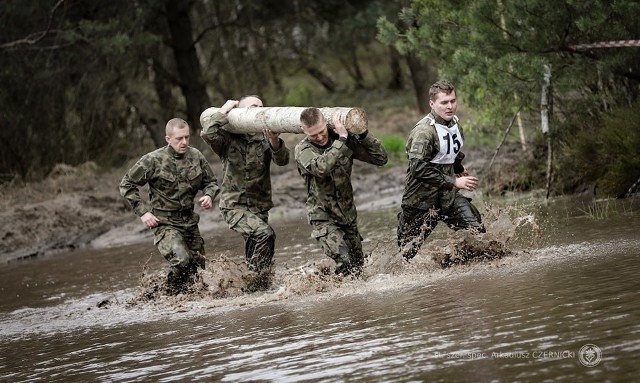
[442, 99]
[314, 126]
[177, 135]
[250, 101]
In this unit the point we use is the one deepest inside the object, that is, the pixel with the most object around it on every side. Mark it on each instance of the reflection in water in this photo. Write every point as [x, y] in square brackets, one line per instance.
[522, 317]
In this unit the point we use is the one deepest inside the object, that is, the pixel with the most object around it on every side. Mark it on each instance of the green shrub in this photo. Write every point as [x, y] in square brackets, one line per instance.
[298, 96]
[603, 154]
[394, 145]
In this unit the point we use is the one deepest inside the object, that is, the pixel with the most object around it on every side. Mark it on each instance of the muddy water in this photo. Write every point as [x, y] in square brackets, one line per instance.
[525, 317]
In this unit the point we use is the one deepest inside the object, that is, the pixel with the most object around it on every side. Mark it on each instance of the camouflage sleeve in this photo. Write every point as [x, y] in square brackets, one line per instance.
[137, 176]
[457, 164]
[214, 135]
[320, 164]
[421, 149]
[368, 149]
[430, 174]
[281, 156]
[209, 181]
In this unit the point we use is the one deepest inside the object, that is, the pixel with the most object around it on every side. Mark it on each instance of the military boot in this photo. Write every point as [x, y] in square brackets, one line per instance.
[177, 281]
[343, 265]
[262, 246]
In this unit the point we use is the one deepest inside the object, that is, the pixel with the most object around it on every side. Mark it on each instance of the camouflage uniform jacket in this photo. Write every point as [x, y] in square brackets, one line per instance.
[174, 180]
[246, 180]
[327, 174]
[428, 184]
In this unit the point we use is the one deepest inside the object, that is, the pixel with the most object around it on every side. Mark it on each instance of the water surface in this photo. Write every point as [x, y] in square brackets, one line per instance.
[520, 318]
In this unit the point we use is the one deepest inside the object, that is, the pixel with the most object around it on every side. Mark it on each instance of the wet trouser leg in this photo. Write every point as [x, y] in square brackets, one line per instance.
[259, 237]
[414, 226]
[353, 240]
[195, 243]
[342, 243]
[259, 249]
[183, 247]
[463, 215]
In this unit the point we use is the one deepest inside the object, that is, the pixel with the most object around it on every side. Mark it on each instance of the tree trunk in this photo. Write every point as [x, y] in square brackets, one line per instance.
[326, 81]
[397, 80]
[503, 25]
[156, 130]
[353, 69]
[166, 100]
[184, 51]
[275, 77]
[421, 81]
[546, 106]
[523, 138]
[282, 119]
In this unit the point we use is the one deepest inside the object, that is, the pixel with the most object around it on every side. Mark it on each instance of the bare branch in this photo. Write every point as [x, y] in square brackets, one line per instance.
[34, 38]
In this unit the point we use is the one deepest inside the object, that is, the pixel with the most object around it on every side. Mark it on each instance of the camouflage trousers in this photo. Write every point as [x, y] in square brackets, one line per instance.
[342, 243]
[415, 225]
[178, 239]
[259, 237]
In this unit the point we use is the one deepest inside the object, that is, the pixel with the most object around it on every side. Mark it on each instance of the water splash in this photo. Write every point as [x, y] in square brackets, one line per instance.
[228, 277]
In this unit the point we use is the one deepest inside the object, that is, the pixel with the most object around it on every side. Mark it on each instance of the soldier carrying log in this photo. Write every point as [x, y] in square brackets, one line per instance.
[325, 159]
[334, 138]
[245, 200]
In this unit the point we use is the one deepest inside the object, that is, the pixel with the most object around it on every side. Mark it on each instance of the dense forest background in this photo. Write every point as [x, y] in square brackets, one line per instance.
[95, 80]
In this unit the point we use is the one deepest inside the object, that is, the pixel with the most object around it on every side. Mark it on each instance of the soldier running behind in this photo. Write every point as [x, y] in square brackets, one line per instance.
[175, 173]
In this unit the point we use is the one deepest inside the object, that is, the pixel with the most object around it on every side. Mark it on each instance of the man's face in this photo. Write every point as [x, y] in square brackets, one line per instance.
[317, 133]
[250, 102]
[179, 139]
[445, 105]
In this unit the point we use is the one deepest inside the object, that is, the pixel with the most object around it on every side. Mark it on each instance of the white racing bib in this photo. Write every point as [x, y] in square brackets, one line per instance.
[450, 144]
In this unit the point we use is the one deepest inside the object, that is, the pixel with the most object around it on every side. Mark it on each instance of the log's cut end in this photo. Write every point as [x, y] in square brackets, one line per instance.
[357, 121]
[205, 117]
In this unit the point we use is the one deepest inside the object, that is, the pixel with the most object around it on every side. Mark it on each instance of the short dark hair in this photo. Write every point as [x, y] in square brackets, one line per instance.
[310, 116]
[250, 95]
[442, 86]
[175, 123]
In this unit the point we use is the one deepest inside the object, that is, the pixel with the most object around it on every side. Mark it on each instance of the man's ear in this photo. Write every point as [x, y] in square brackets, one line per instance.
[168, 139]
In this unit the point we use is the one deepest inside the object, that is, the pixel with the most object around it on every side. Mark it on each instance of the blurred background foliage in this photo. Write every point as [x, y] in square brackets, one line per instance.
[95, 80]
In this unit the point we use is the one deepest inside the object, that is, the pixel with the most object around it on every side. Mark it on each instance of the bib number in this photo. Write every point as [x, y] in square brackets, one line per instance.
[456, 143]
[450, 141]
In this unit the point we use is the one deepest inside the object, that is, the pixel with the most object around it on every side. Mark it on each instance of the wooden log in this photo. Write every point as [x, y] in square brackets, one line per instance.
[282, 119]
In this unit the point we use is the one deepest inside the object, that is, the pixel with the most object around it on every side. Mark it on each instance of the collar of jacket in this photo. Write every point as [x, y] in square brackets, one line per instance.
[441, 120]
[332, 137]
[175, 154]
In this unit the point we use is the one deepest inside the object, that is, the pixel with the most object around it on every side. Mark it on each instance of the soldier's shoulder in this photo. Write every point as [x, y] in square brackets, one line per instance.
[425, 122]
[195, 152]
[422, 128]
[304, 151]
[158, 153]
[151, 159]
[303, 144]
